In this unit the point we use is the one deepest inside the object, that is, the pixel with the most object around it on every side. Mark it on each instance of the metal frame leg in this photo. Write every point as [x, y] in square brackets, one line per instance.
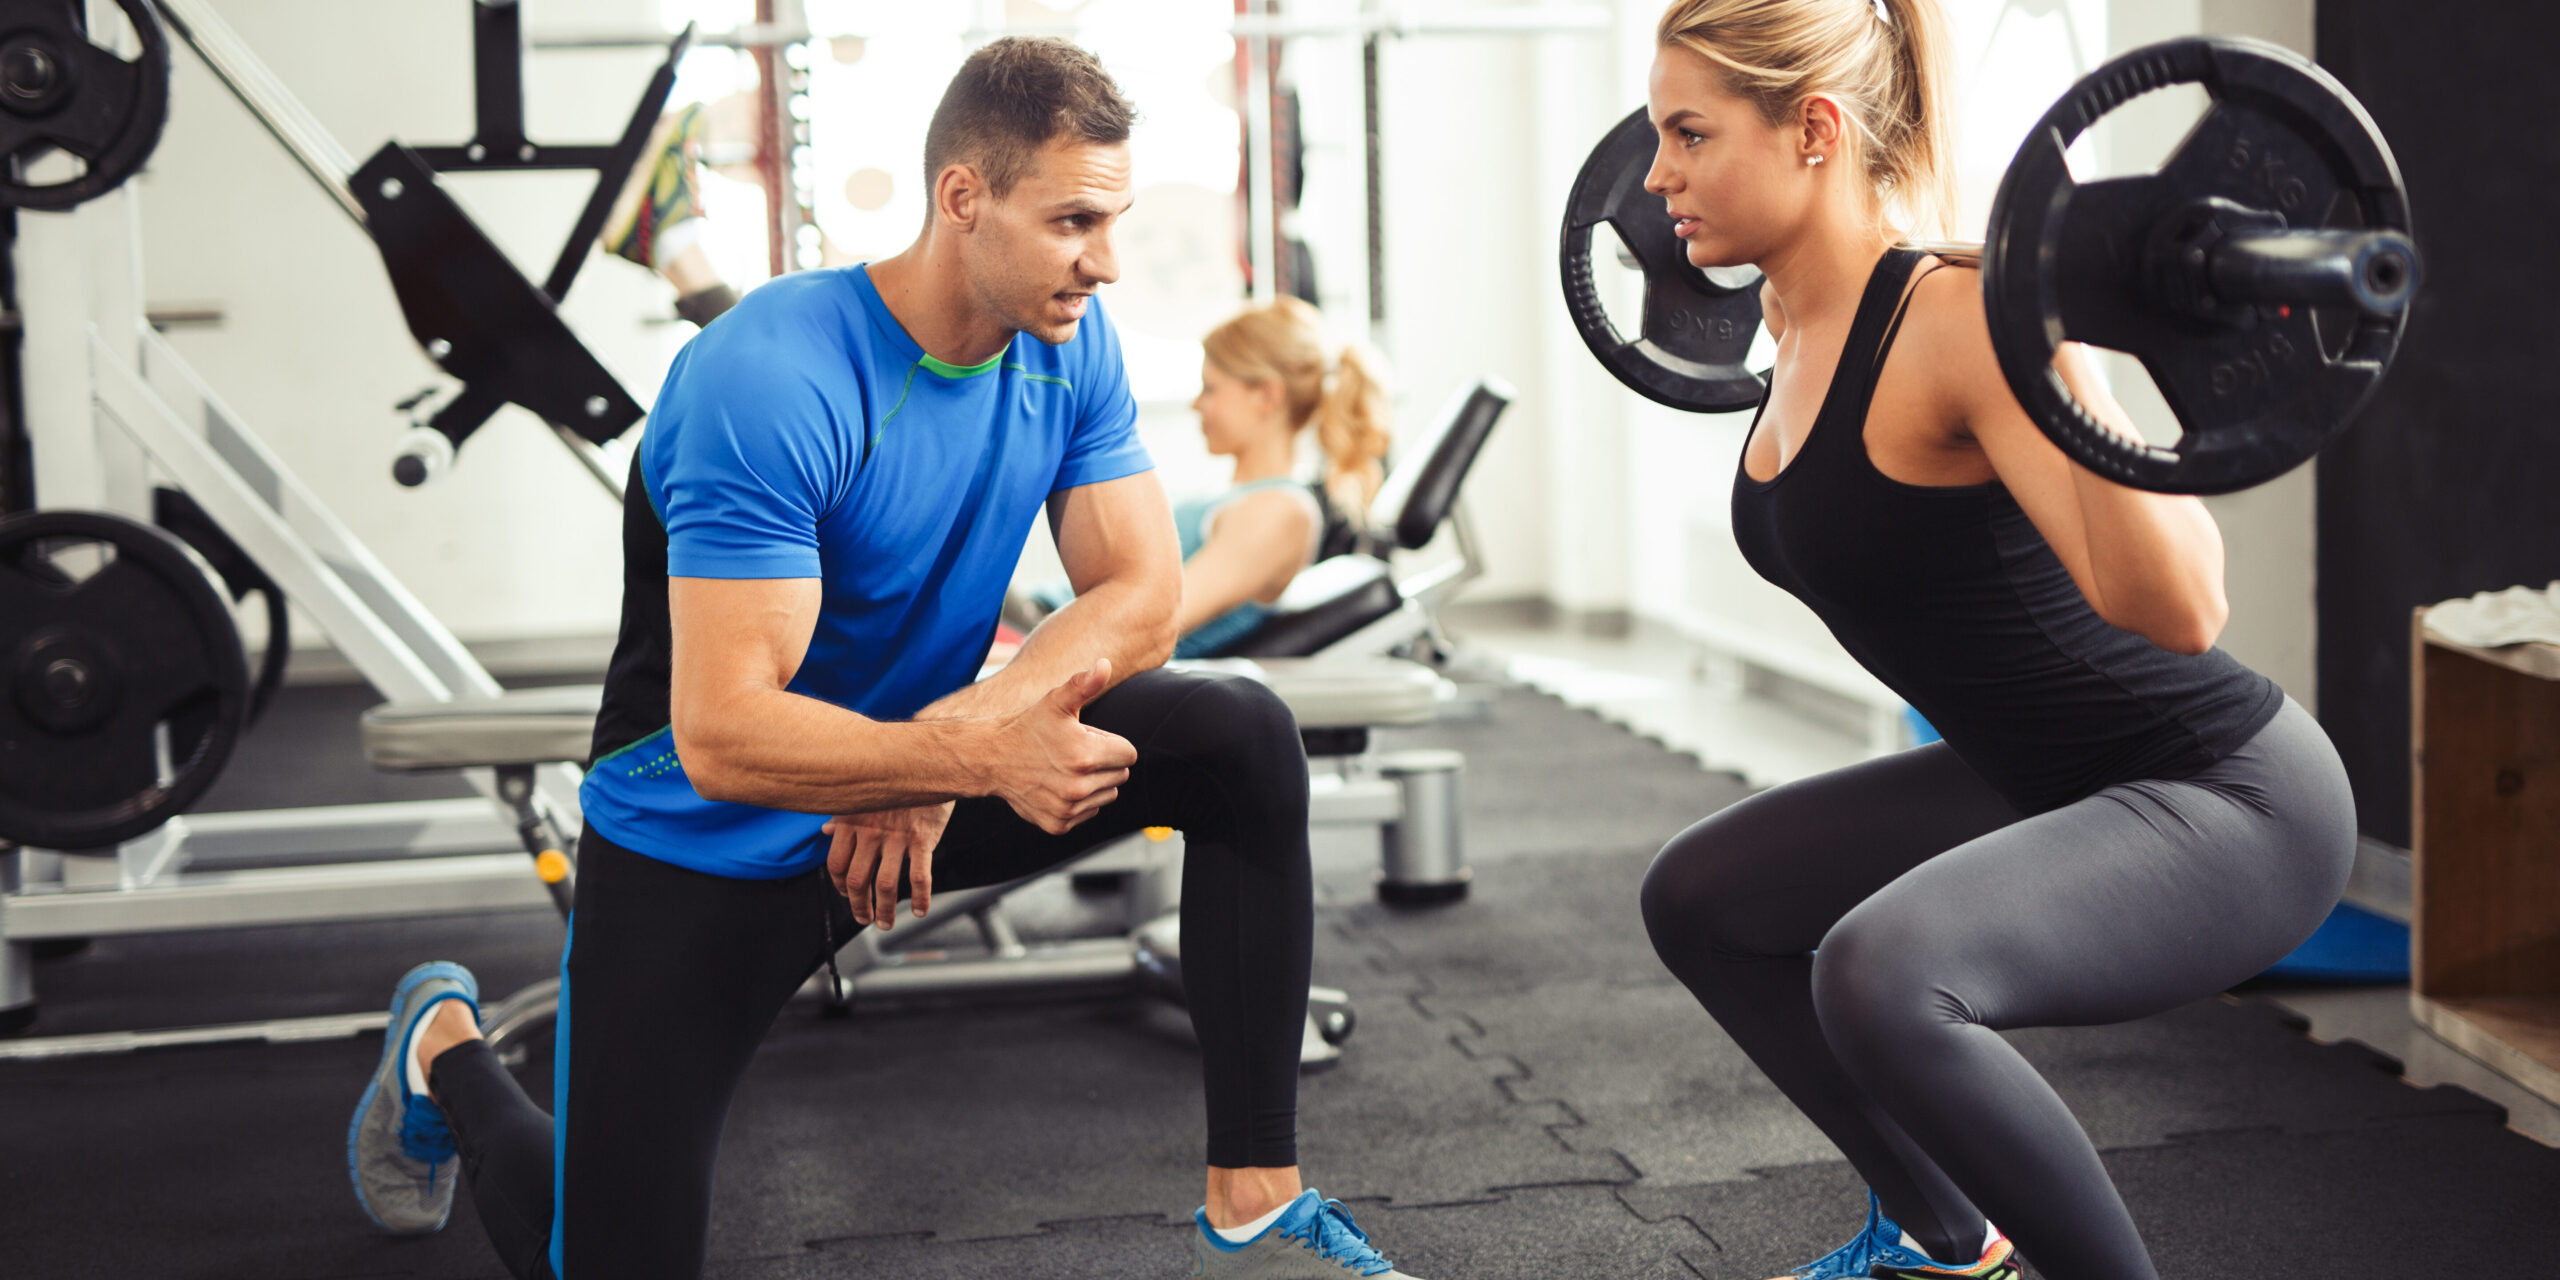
[1422, 860]
[17, 959]
[508, 1024]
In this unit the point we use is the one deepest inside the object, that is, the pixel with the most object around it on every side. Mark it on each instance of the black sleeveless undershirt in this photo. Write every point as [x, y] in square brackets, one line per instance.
[1951, 597]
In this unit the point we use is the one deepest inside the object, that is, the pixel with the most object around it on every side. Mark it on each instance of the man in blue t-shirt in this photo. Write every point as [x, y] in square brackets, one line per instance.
[835, 484]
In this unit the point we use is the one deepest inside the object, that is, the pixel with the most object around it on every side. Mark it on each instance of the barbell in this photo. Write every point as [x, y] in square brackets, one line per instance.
[2262, 275]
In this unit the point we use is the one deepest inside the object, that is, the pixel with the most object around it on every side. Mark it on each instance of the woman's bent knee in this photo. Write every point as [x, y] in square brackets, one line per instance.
[1696, 903]
[1878, 981]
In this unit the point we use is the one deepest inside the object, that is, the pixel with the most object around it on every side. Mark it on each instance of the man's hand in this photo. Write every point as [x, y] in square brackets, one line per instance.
[1053, 770]
[870, 851]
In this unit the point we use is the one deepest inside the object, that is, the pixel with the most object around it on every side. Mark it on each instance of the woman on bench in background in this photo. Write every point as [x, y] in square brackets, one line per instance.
[1264, 376]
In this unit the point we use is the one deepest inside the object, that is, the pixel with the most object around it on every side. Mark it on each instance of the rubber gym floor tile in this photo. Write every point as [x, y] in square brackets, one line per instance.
[2437, 1196]
[217, 1162]
[1526, 924]
[1657, 1082]
[2432, 1197]
[1761, 1226]
[2217, 1065]
[1543, 777]
[1651, 1077]
[1102, 1119]
[1572, 1233]
[981, 1122]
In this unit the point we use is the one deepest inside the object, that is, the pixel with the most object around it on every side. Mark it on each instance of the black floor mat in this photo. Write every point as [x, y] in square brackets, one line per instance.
[1528, 1095]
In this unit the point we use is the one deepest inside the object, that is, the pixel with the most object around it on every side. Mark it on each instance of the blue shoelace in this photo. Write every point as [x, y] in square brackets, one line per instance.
[424, 1135]
[1337, 1239]
[1862, 1251]
[1881, 1241]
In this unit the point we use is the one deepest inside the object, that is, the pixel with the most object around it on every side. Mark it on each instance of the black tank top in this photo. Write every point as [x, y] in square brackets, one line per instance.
[1950, 596]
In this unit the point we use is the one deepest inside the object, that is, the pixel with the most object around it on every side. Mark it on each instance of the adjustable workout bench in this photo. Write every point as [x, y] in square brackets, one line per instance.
[1354, 603]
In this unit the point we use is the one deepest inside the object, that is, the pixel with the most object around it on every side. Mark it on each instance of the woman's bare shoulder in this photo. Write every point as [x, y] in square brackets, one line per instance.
[1275, 509]
[1947, 322]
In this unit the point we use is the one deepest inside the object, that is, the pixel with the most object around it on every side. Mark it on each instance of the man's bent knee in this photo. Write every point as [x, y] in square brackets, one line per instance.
[1241, 736]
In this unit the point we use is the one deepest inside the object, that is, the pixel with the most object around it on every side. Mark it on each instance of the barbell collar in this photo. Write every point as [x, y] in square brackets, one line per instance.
[2374, 272]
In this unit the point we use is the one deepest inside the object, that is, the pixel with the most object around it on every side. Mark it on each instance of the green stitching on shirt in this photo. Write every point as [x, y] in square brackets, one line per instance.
[1018, 367]
[652, 765]
[908, 386]
[950, 370]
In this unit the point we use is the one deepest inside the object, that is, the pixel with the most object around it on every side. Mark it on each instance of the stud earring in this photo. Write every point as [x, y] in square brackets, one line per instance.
[1812, 161]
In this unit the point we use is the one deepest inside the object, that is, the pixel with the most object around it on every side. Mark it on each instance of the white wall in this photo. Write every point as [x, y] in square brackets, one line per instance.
[312, 353]
[1466, 287]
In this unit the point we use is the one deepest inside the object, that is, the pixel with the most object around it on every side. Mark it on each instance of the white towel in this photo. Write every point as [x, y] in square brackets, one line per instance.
[2490, 619]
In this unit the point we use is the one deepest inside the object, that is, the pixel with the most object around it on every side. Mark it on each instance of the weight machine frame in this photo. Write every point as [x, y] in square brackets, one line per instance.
[113, 413]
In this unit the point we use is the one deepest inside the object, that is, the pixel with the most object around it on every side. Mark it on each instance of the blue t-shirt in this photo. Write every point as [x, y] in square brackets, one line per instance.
[805, 435]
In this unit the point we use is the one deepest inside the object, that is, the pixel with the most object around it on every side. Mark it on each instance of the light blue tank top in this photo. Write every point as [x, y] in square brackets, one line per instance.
[1191, 524]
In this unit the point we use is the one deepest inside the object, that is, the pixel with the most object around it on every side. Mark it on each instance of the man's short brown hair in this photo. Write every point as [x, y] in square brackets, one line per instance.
[1012, 98]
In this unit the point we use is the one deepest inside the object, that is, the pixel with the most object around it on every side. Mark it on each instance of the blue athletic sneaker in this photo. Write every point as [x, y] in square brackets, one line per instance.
[399, 1152]
[1313, 1239]
[1878, 1252]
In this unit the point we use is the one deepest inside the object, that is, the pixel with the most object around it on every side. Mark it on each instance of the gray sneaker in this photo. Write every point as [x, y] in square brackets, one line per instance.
[1314, 1239]
[399, 1152]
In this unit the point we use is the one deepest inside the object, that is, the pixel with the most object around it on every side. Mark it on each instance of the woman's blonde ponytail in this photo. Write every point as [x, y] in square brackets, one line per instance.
[1917, 156]
[1351, 426]
[1284, 342]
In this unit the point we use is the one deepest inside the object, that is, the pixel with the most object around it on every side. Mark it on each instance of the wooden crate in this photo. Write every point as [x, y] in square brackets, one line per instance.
[2485, 892]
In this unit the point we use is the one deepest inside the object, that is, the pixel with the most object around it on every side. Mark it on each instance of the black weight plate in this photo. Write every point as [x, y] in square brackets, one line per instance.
[95, 670]
[1696, 333]
[2066, 261]
[105, 109]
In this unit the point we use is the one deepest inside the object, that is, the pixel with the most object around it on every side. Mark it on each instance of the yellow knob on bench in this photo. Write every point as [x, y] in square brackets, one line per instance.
[552, 865]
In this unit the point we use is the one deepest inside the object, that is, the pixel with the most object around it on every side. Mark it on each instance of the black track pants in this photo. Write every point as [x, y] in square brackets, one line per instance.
[1865, 934]
[672, 978]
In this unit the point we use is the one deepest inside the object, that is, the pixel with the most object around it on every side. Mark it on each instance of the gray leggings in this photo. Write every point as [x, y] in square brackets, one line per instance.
[1943, 916]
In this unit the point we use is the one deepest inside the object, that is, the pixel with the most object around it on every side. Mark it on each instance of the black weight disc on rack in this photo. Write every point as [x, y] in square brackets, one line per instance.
[61, 91]
[123, 687]
[1696, 334]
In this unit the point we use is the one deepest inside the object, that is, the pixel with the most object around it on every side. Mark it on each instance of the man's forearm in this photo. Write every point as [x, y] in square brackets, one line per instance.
[1128, 623]
[780, 750]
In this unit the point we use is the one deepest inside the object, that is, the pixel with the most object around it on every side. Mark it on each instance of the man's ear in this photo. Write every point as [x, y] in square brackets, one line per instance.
[959, 196]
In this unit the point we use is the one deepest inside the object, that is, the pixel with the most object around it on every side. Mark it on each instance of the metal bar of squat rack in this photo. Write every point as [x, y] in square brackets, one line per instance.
[1447, 19]
[267, 100]
[1374, 183]
[1262, 237]
[610, 177]
[751, 36]
[497, 76]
